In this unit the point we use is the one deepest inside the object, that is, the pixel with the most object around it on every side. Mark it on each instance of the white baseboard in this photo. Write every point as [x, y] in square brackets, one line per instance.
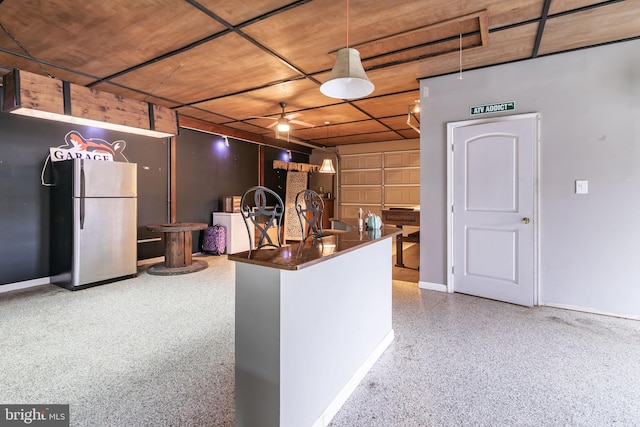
[47, 280]
[25, 284]
[432, 286]
[352, 384]
[590, 310]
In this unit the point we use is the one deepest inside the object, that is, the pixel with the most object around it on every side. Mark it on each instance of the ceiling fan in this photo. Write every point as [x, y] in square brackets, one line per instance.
[284, 122]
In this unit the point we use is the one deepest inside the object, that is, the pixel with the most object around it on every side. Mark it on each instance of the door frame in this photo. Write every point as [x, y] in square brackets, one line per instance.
[451, 126]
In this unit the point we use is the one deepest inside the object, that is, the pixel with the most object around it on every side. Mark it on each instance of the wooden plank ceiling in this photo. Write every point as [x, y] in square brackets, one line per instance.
[221, 63]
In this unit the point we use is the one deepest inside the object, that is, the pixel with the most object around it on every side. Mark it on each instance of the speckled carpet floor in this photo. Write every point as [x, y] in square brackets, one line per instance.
[159, 351]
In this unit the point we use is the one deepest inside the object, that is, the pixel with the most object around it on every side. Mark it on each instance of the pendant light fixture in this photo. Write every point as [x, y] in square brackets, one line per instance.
[327, 166]
[414, 110]
[347, 79]
[283, 125]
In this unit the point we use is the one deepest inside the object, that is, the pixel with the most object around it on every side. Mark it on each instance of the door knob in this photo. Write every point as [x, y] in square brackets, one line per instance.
[526, 220]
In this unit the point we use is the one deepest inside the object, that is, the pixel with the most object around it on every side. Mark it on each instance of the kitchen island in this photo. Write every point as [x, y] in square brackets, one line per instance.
[311, 320]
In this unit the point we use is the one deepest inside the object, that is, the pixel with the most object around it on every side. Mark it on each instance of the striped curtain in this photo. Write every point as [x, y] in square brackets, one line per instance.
[296, 182]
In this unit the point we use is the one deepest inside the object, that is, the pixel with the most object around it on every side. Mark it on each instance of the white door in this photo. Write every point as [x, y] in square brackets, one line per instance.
[493, 210]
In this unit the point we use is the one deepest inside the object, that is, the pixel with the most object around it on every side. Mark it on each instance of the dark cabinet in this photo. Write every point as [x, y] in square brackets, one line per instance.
[328, 213]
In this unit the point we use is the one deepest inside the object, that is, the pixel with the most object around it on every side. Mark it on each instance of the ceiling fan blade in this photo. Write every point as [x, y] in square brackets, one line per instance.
[263, 117]
[292, 116]
[298, 122]
[272, 125]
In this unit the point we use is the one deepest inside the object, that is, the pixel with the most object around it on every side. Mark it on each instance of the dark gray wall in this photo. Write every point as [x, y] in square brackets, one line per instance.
[206, 171]
[24, 201]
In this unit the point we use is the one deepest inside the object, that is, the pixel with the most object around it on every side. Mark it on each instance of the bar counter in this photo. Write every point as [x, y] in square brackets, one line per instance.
[297, 256]
[311, 320]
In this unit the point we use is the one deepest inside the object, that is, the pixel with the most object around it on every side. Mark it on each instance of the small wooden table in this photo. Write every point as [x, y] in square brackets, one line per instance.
[400, 217]
[177, 249]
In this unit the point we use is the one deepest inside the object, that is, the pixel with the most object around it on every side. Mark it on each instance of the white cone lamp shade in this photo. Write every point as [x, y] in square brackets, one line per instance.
[347, 79]
[327, 166]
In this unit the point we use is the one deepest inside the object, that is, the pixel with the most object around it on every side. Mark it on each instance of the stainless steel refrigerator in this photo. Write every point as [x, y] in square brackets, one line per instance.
[93, 231]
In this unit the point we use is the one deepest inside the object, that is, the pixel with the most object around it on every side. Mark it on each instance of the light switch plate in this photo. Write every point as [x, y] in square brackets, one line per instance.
[582, 186]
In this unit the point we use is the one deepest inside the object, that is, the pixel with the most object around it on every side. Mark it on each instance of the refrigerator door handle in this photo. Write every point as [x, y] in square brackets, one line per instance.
[82, 193]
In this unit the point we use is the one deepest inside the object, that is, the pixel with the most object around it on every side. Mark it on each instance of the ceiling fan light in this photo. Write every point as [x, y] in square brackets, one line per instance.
[283, 125]
[327, 166]
[347, 79]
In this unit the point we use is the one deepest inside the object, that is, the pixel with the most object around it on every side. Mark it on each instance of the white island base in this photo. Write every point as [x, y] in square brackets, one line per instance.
[305, 338]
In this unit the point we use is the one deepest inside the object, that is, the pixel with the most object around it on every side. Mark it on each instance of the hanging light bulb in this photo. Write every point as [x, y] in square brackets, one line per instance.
[283, 125]
[412, 112]
[347, 79]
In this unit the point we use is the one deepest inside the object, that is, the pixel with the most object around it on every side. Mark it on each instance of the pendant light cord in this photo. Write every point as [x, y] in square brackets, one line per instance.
[347, 14]
[460, 75]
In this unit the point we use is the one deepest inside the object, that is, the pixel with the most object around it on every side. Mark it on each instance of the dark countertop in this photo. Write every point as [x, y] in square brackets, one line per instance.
[297, 256]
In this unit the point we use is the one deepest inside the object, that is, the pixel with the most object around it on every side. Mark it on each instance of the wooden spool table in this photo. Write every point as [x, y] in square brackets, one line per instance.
[177, 249]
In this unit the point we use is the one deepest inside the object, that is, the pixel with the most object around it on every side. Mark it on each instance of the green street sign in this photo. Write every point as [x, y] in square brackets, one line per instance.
[498, 107]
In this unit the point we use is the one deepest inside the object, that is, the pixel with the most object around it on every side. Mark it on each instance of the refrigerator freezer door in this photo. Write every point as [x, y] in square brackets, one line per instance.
[96, 178]
[105, 248]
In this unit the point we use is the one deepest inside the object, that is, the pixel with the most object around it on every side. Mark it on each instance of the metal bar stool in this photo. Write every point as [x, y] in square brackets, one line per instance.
[310, 207]
[263, 209]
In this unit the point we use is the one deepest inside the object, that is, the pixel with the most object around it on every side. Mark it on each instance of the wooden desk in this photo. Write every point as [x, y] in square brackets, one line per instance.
[399, 218]
[177, 249]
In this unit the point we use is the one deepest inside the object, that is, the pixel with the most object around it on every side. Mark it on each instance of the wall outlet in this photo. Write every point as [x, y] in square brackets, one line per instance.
[582, 186]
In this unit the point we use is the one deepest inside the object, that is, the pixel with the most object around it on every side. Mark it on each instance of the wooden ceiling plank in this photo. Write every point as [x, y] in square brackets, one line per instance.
[425, 35]
[203, 126]
[559, 7]
[506, 46]
[298, 95]
[253, 56]
[587, 27]
[105, 37]
[240, 14]
[232, 64]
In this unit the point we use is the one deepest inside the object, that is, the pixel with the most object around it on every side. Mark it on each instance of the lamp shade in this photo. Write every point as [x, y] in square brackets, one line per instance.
[347, 79]
[327, 166]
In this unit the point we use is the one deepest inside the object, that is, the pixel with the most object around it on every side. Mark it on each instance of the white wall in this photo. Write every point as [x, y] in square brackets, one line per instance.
[590, 106]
